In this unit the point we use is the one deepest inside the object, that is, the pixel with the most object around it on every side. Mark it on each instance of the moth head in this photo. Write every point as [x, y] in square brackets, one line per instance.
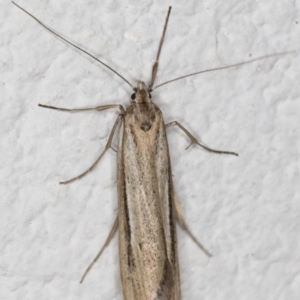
[141, 93]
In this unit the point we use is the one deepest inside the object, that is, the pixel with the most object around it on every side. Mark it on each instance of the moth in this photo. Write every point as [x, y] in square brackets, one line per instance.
[148, 208]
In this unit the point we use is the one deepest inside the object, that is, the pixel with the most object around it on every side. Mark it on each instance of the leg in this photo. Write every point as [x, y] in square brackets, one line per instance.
[108, 145]
[194, 141]
[181, 221]
[110, 236]
[97, 108]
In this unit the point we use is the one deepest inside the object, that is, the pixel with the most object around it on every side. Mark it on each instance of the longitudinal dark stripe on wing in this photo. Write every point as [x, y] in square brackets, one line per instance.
[130, 261]
[171, 216]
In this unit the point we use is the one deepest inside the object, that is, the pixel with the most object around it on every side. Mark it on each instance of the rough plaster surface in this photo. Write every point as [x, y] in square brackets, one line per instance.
[245, 210]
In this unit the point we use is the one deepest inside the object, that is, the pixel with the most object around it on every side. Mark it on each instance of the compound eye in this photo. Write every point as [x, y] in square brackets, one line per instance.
[133, 96]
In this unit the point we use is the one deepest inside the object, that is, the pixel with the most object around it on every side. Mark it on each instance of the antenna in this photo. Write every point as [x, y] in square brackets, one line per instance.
[155, 65]
[56, 34]
[227, 67]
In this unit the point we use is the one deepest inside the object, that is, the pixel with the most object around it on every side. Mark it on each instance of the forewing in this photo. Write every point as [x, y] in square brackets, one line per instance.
[148, 248]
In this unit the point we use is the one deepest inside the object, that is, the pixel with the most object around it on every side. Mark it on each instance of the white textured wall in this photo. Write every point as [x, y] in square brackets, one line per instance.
[245, 210]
